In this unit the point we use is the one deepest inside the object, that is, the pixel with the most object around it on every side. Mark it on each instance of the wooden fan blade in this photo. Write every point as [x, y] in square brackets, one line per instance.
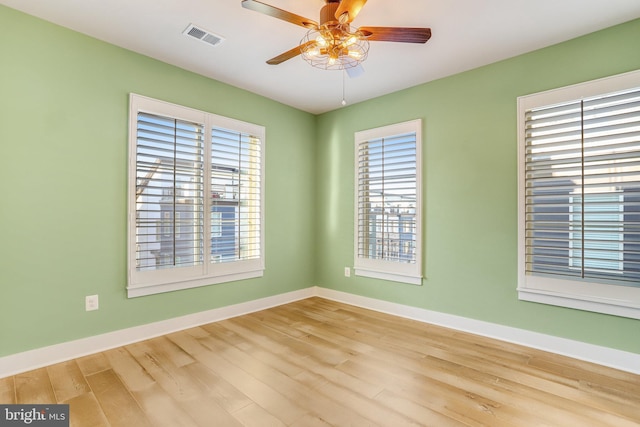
[279, 13]
[351, 8]
[397, 34]
[292, 53]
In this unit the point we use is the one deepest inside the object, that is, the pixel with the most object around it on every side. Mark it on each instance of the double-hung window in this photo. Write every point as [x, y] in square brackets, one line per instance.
[579, 196]
[388, 203]
[195, 198]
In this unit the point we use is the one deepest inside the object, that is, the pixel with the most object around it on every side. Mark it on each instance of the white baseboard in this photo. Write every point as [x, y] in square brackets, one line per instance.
[37, 358]
[618, 359]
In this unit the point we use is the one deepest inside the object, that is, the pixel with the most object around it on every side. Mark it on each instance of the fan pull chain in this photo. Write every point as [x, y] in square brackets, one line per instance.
[344, 101]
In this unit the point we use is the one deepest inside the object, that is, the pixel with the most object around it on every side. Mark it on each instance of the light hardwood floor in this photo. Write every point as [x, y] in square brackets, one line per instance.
[316, 363]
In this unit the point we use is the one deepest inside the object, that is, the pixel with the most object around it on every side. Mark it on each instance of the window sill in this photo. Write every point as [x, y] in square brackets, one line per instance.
[394, 277]
[143, 290]
[623, 307]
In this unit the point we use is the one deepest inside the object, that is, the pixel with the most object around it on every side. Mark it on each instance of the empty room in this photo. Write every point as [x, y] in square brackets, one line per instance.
[320, 213]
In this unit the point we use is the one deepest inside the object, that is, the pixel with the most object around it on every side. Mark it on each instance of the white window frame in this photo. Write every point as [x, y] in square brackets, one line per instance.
[150, 282]
[410, 273]
[607, 298]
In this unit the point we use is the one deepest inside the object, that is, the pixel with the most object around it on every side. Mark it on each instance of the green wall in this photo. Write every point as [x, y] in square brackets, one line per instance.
[470, 191]
[63, 185]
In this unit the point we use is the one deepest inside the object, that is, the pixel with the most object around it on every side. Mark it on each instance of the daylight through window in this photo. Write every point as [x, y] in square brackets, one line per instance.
[580, 195]
[388, 203]
[196, 189]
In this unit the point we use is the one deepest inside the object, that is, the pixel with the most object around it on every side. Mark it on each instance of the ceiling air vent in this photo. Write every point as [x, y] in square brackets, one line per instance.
[203, 35]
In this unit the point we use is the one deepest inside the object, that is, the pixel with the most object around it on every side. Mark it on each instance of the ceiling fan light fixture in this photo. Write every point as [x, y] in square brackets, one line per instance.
[334, 46]
[351, 40]
[321, 41]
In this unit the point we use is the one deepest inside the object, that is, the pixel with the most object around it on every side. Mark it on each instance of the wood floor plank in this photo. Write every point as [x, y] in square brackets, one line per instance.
[259, 392]
[217, 388]
[317, 362]
[317, 370]
[253, 415]
[93, 363]
[7, 391]
[163, 372]
[162, 410]
[163, 361]
[511, 357]
[170, 352]
[117, 403]
[588, 375]
[378, 411]
[311, 421]
[196, 332]
[556, 393]
[417, 412]
[67, 380]
[292, 391]
[408, 362]
[483, 362]
[134, 376]
[278, 321]
[85, 411]
[299, 386]
[260, 347]
[34, 387]
[291, 366]
[280, 343]
[437, 375]
[445, 399]
[359, 332]
[525, 401]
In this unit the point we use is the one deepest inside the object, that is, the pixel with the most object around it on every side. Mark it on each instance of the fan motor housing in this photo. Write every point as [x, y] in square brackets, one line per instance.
[328, 12]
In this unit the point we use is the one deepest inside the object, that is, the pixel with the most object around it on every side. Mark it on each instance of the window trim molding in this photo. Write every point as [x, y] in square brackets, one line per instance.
[617, 300]
[167, 280]
[381, 269]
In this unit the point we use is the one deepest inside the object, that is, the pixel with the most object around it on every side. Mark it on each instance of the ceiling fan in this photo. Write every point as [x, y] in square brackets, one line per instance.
[334, 43]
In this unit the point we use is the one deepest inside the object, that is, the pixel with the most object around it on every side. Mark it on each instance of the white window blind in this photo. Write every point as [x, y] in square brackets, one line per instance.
[579, 196]
[169, 192]
[196, 188]
[583, 188]
[388, 205]
[235, 186]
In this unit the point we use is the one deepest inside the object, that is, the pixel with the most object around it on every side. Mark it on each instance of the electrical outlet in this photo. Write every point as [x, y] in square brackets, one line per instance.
[347, 272]
[91, 302]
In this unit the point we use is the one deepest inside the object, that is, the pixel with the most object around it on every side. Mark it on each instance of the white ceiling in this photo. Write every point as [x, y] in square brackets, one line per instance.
[466, 34]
